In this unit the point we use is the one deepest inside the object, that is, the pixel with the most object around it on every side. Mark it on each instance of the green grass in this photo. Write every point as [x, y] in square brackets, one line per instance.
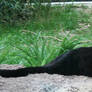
[40, 40]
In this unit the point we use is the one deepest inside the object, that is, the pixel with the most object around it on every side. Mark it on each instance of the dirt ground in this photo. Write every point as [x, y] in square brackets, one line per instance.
[45, 83]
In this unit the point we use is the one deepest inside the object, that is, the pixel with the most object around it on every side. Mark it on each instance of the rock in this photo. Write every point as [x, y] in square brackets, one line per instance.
[44, 83]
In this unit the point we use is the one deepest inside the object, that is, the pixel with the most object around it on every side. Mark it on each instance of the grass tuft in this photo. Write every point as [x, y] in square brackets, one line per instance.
[42, 39]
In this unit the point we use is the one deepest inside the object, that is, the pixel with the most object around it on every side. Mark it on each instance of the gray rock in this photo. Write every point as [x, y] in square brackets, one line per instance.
[44, 83]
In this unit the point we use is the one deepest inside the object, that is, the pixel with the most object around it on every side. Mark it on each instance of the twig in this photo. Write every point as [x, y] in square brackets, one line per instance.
[55, 38]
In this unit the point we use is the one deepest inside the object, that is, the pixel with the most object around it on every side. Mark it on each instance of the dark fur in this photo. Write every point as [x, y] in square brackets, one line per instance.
[74, 62]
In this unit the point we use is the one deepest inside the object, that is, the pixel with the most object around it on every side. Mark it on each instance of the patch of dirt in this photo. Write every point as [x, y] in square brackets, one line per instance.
[45, 83]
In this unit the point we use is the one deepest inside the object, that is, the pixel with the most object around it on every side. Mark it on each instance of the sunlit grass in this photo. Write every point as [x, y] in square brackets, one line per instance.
[39, 41]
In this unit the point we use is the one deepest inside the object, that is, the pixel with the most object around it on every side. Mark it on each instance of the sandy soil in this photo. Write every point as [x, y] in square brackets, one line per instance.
[45, 83]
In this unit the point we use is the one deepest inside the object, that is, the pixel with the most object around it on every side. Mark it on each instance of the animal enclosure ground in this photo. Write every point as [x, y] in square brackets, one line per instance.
[45, 83]
[38, 42]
